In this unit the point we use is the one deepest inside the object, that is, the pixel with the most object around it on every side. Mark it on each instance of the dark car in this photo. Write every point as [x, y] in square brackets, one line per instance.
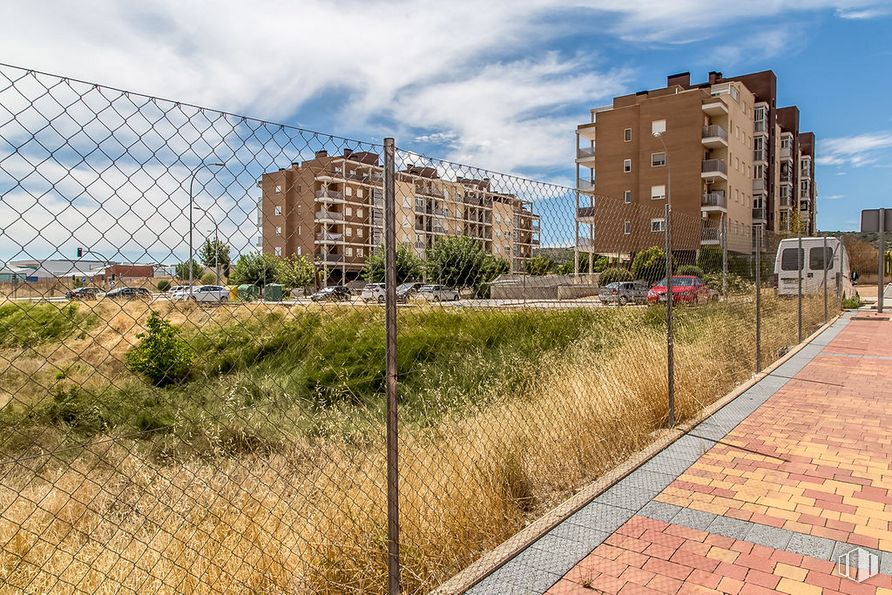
[83, 293]
[624, 292]
[335, 293]
[406, 291]
[686, 289]
[129, 293]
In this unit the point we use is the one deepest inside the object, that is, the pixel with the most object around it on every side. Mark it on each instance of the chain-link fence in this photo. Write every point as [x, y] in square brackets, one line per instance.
[194, 371]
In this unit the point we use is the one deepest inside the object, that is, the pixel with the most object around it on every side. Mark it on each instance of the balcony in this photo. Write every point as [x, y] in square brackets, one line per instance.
[585, 186]
[326, 215]
[439, 212]
[714, 200]
[330, 195]
[786, 177]
[327, 236]
[714, 136]
[331, 258]
[784, 202]
[429, 191]
[759, 185]
[715, 107]
[759, 214]
[710, 235]
[585, 213]
[786, 153]
[714, 168]
[760, 155]
[760, 126]
[585, 154]
[587, 131]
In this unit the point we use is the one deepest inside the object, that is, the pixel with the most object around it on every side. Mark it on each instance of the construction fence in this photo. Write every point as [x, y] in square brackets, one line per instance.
[237, 355]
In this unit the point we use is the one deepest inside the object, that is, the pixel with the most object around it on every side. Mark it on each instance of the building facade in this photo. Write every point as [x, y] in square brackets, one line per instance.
[331, 209]
[736, 162]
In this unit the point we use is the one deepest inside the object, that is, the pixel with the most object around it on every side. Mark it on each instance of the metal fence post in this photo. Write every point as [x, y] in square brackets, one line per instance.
[881, 269]
[724, 224]
[800, 259]
[393, 528]
[826, 263]
[758, 298]
[670, 348]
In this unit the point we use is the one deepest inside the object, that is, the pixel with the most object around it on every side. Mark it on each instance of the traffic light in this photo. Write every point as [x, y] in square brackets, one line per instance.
[80, 252]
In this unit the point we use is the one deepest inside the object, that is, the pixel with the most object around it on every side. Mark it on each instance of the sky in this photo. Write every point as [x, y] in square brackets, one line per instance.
[498, 84]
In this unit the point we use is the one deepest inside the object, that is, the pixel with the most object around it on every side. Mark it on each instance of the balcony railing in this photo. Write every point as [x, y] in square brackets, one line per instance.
[585, 212]
[714, 166]
[759, 214]
[714, 199]
[329, 215]
[329, 237]
[585, 152]
[585, 186]
[759, 185]
[715, 131]
[711, 234]
[330, 258]
[786, 153]
[329, 195]
[429, 191]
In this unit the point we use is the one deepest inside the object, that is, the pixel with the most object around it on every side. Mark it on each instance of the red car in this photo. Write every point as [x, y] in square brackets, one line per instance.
[686, 289]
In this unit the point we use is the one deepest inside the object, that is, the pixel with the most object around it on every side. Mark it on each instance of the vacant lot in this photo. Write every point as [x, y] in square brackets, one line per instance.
[264, 469]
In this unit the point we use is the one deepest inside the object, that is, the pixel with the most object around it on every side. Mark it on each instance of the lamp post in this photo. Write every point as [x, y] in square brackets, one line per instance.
[81, 252]
[670, 350]
[216, 241]
[192, 177]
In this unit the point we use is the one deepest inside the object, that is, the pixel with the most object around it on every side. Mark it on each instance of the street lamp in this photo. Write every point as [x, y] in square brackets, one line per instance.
[80, 254]
[191, 200]
[670, 352]
[216, 241]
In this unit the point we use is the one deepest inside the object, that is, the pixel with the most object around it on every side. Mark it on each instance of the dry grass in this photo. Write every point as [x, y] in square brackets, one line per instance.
[313, 519]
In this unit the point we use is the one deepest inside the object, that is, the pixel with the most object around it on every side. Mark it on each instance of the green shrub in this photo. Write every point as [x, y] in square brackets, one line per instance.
[163, 285]
[209, 278]
[613, 275]
[649, 265]
[851, 303]
[162, 357]
[28, 325]
[690, 269]
[539, 265]
[736, 283]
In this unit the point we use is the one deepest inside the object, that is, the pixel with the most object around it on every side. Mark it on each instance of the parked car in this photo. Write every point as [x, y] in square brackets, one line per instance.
[202, 293]
[83, 293]
[624, 292]
[335, 293]
[129, 293]
[373, 292]
[686, 289]
[407, 290]
[437, 293]
[176, 288]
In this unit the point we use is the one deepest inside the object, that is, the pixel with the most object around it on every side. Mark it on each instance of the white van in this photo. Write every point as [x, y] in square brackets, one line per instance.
[813, 258]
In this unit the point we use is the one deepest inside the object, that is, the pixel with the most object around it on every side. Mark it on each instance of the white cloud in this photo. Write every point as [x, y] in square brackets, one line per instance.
[834, 197]
[856, 151]
[862, 14]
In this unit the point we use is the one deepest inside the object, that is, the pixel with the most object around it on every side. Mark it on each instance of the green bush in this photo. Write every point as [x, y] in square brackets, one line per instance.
[209, 278]
[28, 325]
[539, 265]
[736, 283]
[690, 269]
[162, 357]
[613, 275]
[851, 303]
[649, 265]
[163, 285]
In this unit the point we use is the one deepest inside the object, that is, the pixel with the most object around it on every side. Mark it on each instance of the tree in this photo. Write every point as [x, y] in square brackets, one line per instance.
[409, 267]
[182, 270]
[491, 268]
[209, 278]
[456, 261]
[566, 268]
[862, 255]
[612, 275]
[256, 268]
[649, 265]
[295, 272]
[163, 357]
[215, 253]
[539, 265]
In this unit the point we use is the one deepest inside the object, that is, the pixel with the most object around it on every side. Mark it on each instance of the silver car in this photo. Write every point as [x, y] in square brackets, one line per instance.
[437, 293]
[202, 293]
[624, 292]
[373, 292]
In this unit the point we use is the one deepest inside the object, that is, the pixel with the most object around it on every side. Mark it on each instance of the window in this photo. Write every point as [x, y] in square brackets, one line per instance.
[348, 191]
[298, 250]
[627, 197]
[627, 135]
[360, 252]
[657, 159]
[278, 188]
[658, 225]
[348, 232]
[359, 232]
[736, 195]
[348, 251]
[278, 251]
[406, 204]
[658, 127]
[627, 165]
[278, 231]
[820, 258]
[359, 212]
[278, 210]
[348, 211]
[790, 259]
[658, 192]
[627, 228]
[359, 192]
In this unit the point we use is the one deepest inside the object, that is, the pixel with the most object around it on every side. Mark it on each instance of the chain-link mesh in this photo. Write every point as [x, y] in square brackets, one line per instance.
[192, 353]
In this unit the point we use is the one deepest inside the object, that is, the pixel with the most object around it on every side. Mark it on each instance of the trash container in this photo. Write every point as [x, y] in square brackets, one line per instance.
[233, 294]
[247, 292]
[273, 292]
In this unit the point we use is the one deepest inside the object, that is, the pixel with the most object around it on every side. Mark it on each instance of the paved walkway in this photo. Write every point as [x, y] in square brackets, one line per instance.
[764, 496]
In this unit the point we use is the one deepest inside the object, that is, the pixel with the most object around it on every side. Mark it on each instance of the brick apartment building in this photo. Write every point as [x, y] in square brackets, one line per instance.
[736, 160]
[330, 208]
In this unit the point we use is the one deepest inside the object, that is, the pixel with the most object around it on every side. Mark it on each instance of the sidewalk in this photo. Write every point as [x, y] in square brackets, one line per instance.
[763, 496]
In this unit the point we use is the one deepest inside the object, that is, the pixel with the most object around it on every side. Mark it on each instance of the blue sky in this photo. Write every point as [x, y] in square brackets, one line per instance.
[496, 84]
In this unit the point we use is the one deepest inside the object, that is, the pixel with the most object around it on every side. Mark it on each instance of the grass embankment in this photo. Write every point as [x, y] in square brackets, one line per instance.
[265, 471]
